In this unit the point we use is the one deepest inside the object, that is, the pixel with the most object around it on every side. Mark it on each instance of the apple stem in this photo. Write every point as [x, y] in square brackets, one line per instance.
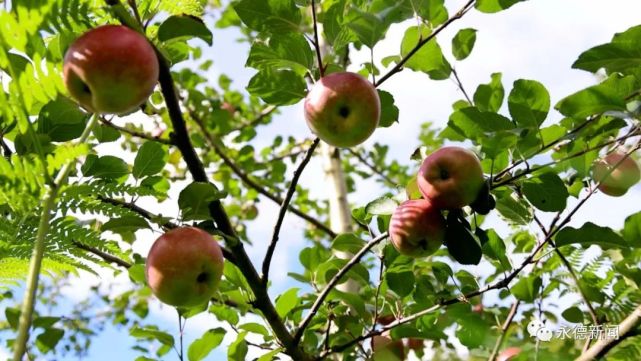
[35, 263]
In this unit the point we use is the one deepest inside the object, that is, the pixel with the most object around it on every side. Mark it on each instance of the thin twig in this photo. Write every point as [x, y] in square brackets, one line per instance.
[135, 133]
[256, 120]
[283, 210]
[253, 184]
[371, 166]
[461, 87]
[321, 68]
[399, 66]
[333, 282]
[504, 327]
[105, 256]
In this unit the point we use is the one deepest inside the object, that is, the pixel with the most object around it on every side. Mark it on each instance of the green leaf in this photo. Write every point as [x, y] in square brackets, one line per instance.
[271, 355]
[382, 206]
[125, 224]
[105, 134]
[463, 42]
[61, 120]
[546, 192]
[472, 331]
[48, 340]
[200, 348]
[195, 198]
[108, 167]
[276, 16]
[45, 321]
[184, 26]
[151, 159]
[622, 55]
[13, 316]
[137, 273]
[429, 58]
[150, 333]
[529, 103]
[347, 242]
[473, 124]
[389, 111]
[256, 328]
[283, 52]
[237, 351]
[432, 10]
[489, 97]
[460, 242]
[589, 234]
[493, 6]
[573, 314]
[367, 27]
[527, 288]
[513, 210]
[494, 247]
[401, 281]
[608, 96]
[632, 230]
[287, 301]
[278, 87]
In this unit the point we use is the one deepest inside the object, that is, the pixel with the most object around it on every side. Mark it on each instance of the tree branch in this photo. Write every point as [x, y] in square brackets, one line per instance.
[504, 327]
[333, 282]
[321, 68]
[105, 256]
[250, 182]
[399, 66]
[371, 166]
[283, 209]
[602, 347]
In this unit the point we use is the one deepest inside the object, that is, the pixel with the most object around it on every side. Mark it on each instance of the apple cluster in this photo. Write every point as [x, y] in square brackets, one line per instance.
[110, 69]
[448, 179]
[343, 109]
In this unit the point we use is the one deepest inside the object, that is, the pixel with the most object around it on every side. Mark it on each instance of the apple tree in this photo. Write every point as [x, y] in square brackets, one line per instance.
[110, 118]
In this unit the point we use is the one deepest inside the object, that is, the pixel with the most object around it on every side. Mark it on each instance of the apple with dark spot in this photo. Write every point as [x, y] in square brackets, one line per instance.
[184, 267]
[451, 177]
[417, 228]
[110, 69]
[343, 109]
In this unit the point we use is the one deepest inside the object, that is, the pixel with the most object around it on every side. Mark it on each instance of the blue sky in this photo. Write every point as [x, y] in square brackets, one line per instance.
[538, 39]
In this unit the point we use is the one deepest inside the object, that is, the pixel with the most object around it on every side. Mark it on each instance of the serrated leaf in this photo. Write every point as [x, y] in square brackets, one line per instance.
[546, 192]
[429, 58]
[195, 198]
[200, 348]
[622, 54]
[589, 234]
[184, 26]
[609, 95]
[150, 159]
[529, 103]
[278, 87]
[489, 97]
[463, 42]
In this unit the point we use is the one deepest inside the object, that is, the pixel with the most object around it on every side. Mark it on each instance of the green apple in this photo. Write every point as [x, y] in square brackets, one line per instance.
[184, 267]
[343, 109]
[625, 175]
[451, 177]
[110, 69]
[417, 228]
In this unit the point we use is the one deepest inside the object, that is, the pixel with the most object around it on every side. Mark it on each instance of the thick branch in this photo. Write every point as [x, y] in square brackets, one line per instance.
[399, 66]
[333, 282]
[602, 347]
[283, 210]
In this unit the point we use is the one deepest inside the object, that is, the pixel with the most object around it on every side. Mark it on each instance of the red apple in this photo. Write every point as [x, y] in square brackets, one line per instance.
[110, 69]
[451, 177]
[624, 176]
[343, 109]
[386, 319]
[416, 344]
[417, 228]
[386, 349]
[229, 108]
[508, 354]
[184, 267]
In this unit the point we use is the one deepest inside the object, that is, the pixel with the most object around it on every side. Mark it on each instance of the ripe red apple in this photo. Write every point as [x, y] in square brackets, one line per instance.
[508, 354]
[343, 109]
[386, 349]
[110, 69]
[624, 176]
[416, 344]
[184, 267]
[417, 228]
[451, 177]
